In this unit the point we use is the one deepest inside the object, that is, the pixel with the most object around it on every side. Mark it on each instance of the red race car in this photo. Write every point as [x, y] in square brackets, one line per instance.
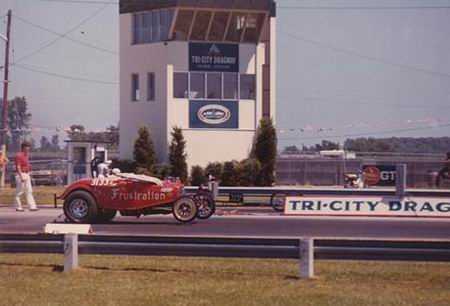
[99, 199]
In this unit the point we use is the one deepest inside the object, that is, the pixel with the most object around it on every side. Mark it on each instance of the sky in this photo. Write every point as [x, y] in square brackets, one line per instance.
[342, 70]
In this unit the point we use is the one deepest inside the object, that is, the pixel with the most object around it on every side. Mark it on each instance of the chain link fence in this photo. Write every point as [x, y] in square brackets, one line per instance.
[319, 171]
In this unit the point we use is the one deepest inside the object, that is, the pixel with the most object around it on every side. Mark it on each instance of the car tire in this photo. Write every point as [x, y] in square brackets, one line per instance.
[206, 205]
[106, 215]
[278, 201]
[80, 207]
[185, 209]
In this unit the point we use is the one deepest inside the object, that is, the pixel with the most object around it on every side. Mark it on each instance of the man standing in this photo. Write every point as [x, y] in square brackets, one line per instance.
[23, 178]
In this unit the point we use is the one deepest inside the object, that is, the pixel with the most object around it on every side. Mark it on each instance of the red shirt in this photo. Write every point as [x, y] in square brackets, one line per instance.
[23, 162]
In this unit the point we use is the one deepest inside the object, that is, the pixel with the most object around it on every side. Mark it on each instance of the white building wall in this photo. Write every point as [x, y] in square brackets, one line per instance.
[142, 59]
[161, 115]
[273, 68]
[216, 145]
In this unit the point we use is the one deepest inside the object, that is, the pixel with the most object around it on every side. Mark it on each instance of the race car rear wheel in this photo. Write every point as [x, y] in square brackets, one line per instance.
[206, 204]
[185, 209]
[80, 207]
[278, 201]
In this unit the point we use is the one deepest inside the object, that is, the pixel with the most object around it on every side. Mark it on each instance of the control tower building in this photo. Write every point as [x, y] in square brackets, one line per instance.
[206, 66]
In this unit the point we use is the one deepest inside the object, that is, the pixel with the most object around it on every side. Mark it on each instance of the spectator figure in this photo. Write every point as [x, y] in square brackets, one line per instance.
[23, 179]
[444, 174]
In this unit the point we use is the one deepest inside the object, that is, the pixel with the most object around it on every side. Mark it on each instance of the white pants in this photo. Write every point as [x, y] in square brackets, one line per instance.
[24, 187]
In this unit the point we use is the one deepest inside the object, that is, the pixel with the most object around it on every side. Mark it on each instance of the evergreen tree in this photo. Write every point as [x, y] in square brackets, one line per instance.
[265, 151]
[163, 171]
[230, 175]
[198, 176]
[248, 172]
[177, 155]
[144, 153]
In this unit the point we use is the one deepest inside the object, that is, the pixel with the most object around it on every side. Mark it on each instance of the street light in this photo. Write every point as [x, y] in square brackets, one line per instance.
[3, 37]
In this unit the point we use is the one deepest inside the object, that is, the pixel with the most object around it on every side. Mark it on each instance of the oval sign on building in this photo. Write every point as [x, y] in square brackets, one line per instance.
[214, 114]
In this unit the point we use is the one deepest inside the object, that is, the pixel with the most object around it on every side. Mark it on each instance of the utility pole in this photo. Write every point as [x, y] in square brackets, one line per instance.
[5, 98]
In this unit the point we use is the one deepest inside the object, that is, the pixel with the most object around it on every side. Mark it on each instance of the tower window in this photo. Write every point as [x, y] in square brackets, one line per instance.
[201, 25]
[248, 86]
[151, 86]
[152, 26]
[214, 86]
[219, 25]
[254, 24]
[236, 28]
[183, 24]
[135, 94]
[180, 85]
[197, 86]
[230, 86]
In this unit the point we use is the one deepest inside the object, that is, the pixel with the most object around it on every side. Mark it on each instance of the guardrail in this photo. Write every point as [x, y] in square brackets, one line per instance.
[303, 249]
[295, 191]
[278, 194]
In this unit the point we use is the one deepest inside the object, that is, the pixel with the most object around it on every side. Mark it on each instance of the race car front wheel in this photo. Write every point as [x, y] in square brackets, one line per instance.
[185, 209]
[81, 207]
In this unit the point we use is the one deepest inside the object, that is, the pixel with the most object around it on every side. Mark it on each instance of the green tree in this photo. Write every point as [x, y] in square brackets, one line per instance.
[291, 150]
[177, 155]
[55, 143]
[125, 165]
[230, 174]
[327, 146]
[248, 172]
[45, 145]
[144, 153]
[198, 176]
[214, 169]
[163, 170]
[112, 135]
[19, 119]
[265, 151]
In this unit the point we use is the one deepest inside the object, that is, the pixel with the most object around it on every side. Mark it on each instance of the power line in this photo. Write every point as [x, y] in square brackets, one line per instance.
[94, 14]
[83, 2]
[440, 126]
[63, 76]
[65, 36]
[360, 8]
[290, 7]
[366, 57]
